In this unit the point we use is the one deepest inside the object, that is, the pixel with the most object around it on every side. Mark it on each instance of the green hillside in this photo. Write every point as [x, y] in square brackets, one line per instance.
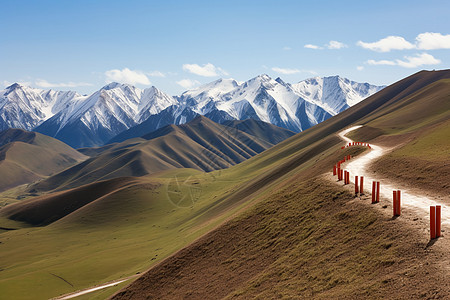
[201, 144]
[28, 156]
[270, 227]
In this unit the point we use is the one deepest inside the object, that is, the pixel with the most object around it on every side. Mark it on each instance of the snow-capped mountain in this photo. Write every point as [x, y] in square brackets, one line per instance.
[25, 107]
[296, 107]
[104, 114]
[335, 94]
[119, 111]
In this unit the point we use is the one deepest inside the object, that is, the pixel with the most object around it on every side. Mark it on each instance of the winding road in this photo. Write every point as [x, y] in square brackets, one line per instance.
[359, 166]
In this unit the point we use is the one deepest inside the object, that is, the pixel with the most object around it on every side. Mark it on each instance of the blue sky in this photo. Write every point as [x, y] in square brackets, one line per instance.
[176, 45]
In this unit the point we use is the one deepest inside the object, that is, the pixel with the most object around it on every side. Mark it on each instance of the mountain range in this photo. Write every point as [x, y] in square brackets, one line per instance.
[199, 144]
[254, 229]
[118, 112]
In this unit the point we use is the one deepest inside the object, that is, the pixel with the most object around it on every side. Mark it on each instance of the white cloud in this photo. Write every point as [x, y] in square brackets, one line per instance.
[207, 70]
[188, 83]
[409, 61]
[335, 45]
[156, 74]
[381, 62]
[285, 71]
[45, 84]
[286, 48]
[127, 76]
[418, 60]
[359, 68]
[432, 41]
[424, 41]
[387, 44]
[310, 46]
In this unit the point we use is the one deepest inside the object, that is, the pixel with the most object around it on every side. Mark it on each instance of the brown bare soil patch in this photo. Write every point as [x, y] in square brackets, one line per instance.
[430, 176]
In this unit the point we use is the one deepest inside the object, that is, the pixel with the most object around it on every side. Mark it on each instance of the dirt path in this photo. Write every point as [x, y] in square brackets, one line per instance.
[93, 289]
[419, 204]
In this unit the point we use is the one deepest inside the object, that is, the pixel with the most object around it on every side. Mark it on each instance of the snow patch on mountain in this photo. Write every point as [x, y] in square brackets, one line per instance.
[117, 107]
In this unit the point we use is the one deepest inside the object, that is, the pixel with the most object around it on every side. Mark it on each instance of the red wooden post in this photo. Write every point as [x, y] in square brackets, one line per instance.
[340, 174]
[334, 170]
[356, 185]
[378, 191]
[361, 190]
[438, 220]
[373, 191]
[399, 203]
[432, 222]
[394, 204]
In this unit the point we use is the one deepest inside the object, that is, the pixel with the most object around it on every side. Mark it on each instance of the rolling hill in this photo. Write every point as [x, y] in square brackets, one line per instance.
[270, 227]
[303, 239]
[28, 156]
[200, 144]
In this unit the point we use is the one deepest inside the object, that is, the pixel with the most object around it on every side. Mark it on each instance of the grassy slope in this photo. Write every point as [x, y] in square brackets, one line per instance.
[309, 239]
[262, 130]
[283, 251]
[123, 232]
[131, 229]
[201, 144]
[28, 156]
[421, 124]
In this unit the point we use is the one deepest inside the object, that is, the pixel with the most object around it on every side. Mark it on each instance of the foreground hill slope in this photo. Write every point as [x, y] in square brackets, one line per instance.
[288, 231]
[418, 128]
[308, 238]
[28, 156]
[200, 144]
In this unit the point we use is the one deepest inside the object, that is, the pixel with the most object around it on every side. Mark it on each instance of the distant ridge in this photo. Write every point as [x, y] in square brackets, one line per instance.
[200, 144]
[28, 156]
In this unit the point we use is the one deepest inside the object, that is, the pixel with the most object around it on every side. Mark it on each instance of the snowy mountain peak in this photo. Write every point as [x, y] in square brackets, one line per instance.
[334, 93]
[14, 86]
[94, 119]
[113, 85]
[280, 81]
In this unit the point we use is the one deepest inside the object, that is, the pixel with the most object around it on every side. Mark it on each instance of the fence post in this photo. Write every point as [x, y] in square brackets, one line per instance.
[438, 220]
[378, 191]
[334, 170]
[374, 191]
[394, 204]
[432, 222]
[361, 190]
[356, 185]
[399, 210]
